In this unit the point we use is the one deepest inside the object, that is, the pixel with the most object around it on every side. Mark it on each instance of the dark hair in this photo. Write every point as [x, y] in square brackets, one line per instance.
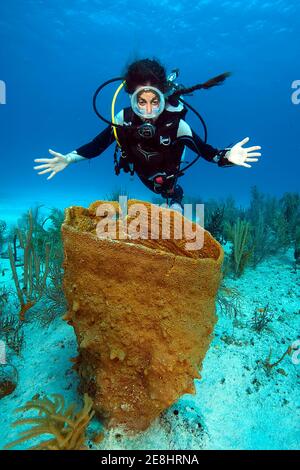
[145, 71]
[153, 72]
[215, 81]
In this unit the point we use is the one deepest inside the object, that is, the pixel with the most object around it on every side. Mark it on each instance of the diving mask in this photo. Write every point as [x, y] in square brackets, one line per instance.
[139, 102]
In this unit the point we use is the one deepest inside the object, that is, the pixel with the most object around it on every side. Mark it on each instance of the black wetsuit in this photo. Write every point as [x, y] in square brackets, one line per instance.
[158, 155]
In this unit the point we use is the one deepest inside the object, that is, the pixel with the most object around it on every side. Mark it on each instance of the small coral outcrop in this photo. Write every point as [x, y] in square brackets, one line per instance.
[66, 425]
[142, 307]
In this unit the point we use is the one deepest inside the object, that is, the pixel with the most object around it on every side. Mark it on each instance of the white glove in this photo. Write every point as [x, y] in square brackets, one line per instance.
[239, 156]
[58, 163]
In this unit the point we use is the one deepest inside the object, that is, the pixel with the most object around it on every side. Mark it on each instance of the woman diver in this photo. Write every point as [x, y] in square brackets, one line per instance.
[152, 134]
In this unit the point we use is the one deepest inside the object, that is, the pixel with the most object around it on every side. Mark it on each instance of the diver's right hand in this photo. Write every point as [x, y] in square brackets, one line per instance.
[53, 165]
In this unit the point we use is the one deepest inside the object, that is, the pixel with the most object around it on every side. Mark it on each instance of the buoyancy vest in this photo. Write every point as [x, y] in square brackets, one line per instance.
[159, 153]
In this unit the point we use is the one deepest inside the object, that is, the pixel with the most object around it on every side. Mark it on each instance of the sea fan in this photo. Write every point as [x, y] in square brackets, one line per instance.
[67, 426]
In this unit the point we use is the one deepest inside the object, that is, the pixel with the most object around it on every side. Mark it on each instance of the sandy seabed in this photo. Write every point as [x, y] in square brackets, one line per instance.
[238, 405]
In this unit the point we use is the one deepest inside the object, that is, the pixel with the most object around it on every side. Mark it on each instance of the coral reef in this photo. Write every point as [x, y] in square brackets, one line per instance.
[11, 331]
[261, 318]
[240, 253]
[35, 270]
[2, 238]
[68, 426]
[229, 301]
[267, 363]
[215, 224]
[8, 379]
[143, 309]
[38, 274]
[297, 248]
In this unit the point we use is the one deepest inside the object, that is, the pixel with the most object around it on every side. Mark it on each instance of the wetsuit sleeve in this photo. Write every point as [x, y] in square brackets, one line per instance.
[102, 141]
[187, 136]
[96, 146]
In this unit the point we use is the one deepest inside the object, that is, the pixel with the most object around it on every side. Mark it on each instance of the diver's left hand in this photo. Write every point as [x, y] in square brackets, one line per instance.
[239, 155]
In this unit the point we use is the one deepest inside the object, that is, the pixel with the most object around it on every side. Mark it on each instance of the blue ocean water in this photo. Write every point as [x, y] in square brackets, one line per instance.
[55, 54]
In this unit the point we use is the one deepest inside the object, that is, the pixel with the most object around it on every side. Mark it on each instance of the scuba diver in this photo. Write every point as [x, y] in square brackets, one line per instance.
[151, 134]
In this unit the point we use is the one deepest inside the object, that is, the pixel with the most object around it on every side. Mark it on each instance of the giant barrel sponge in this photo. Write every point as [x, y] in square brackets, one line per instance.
[142, 306]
